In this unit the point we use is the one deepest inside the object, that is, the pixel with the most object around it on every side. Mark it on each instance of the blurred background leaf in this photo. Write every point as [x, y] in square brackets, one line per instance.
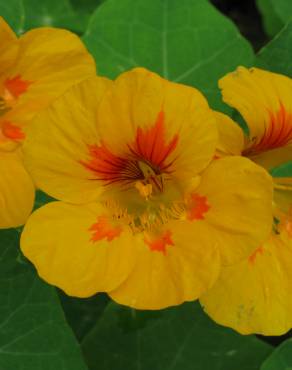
[13, 12]
[275, 13]
[83, 314]
[185, 41]
[86, 6]
[41, 199]
[23, 15]
[33, 331]
[285, 170]
[180, 338]
[280, 359]
[276, 55]
[55, 13]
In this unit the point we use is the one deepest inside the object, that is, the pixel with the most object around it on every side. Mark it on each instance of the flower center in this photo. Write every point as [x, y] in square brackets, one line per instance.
[141, 189]
[144, 163]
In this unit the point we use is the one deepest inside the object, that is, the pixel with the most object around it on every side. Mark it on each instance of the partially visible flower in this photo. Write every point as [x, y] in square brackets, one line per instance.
[16, 190]
[143, 213]
[254, 296]
[34, 70]
[264, 100]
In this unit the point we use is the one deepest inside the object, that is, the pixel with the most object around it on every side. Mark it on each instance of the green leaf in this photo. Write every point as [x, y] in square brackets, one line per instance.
[41, 199]
[82, 314]
[13, 12]
[275, 13]
[33, 331]
[174, 339]
[183, 40]
[276, 56]
[54, 13]
[284, 170]
[85, 6]
[281, 358]
[271, 21]
[23, 15]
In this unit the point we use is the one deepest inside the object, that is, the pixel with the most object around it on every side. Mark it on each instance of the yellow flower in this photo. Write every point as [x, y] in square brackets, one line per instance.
[264, 100]
[16, 190]
[254, 296]
[34, 70]
[142, 213]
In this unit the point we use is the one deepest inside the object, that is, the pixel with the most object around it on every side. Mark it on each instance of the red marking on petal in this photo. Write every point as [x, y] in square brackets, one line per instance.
[256, 253]
[12, 132]
[149, 147]
[102, 229]
[160, 243]
[277, 134]
[108, 166]
[16, 86]
[197, 207]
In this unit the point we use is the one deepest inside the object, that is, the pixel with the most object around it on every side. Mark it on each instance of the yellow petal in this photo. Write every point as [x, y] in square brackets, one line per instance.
[230, 136]
[181, 269]
[239, 196]
[16, 191]
[8, 47]
[264, 100]
[283, 193]
[57, 141]
[273, 158]
[50, 60]
[254, 296]
[78, 248]
[136, 101]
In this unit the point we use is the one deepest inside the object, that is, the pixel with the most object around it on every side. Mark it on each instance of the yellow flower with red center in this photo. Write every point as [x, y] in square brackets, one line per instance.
[144, 214]
[34, 70]
[254, 296]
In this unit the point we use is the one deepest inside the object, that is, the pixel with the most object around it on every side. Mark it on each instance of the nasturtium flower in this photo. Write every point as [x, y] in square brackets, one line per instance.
[35, 69]
[254, 296]
[264, 101]
[16, 190]
[143, 213]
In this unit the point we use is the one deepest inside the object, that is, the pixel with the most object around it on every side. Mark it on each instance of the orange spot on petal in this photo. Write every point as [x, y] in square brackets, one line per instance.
[16, 86]
[289, 228]
[160, 243]
[12, 131]
[256, 253]
[198, 206]
[102, 229]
